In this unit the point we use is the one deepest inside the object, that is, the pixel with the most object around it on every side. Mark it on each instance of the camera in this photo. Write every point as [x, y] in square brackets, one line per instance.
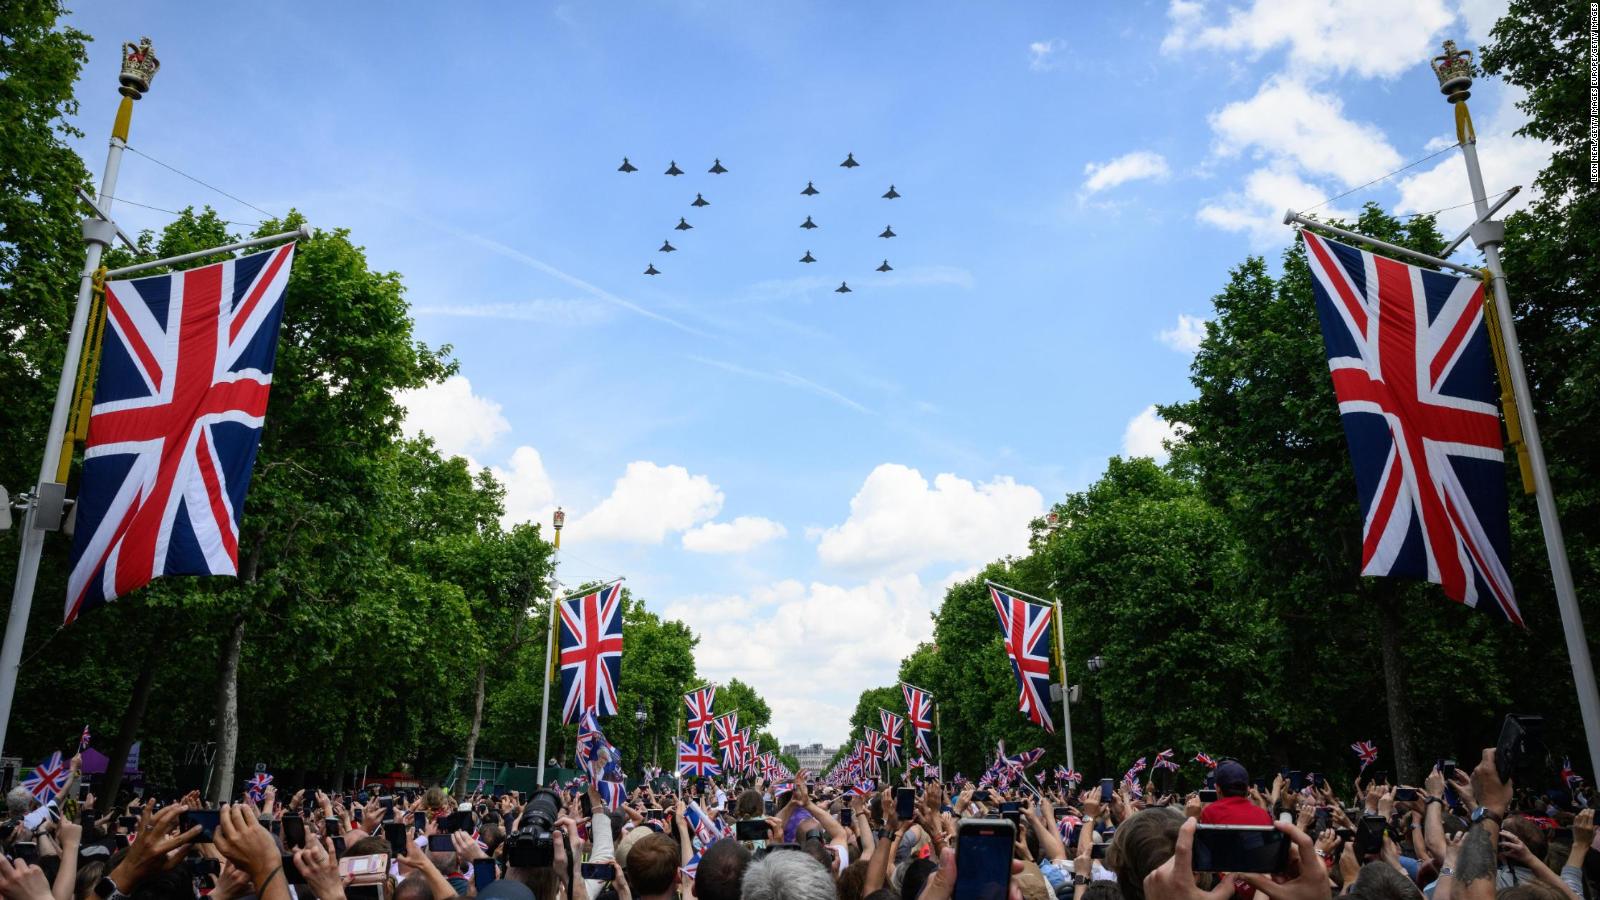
[531, 846]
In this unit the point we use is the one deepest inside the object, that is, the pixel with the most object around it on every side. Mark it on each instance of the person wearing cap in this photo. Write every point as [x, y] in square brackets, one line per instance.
[1233, 806]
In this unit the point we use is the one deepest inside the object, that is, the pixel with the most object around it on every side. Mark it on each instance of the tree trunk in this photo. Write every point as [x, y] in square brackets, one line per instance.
[1401, 731]
[472, 734]
[132, 717]
[227, 734]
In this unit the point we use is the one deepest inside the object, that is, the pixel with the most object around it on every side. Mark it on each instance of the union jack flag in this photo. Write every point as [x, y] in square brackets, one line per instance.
[728, 740]
[1568, 777]
[1164, 760]
[863, 788]
[891, 735]
[919, 713]
[701, 828]
[699, 716]
[1366, 751]
[1065, 775]
[591, 653]
[256, 786]
[83, 740]
[1409, 354]
[1205, 760]
[1067, 825]
[696, 760]
[1131, 777]
[875, 751]
[1026, 629]
[48, 778]
[185, 368]
[692, 867]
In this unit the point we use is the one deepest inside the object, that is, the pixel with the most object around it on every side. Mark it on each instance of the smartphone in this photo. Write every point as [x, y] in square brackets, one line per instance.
[1324, 817]
[294, 831]
[1380, 777]
[1208, 795]
[1097, 850]
[750, 830]
[1447, 768]
[1297, 782]
[395, 834]
[1107, 788]
[332, 826]
[981, 796]
[207, 819]
[27, 851]
[585, 804]
[498, 791]
[846, 817]
[657, 814]
[291, 872]
[441, 843]
[338, 846]
[128, 823]
[1369, 835]
[604, 871]
[372, 868]
[386, 802]
[983, 859]
[905, 803]
[483, 873]
[1240, 848]
[201, 866]
[1319, 781]
[1520, 746]
[1405, 793]
[363, 892]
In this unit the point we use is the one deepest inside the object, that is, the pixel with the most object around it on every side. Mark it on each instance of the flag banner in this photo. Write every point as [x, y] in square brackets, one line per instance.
[699, 716]
[919, 714]
[185, 369]
[1026, 629]
[600, 760]
[891, 735]
[697, 760]
[591, 653]
[1410, 358]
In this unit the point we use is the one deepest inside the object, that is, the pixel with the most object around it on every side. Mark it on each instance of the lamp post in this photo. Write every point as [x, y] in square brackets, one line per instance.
[639, 715]
[558, 520]
[1096, 664]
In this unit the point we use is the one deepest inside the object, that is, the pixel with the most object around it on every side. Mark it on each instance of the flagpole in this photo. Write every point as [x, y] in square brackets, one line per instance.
[938, 740]
[1061, 656]
[560, 519]
[1455, 78]
[138, 67]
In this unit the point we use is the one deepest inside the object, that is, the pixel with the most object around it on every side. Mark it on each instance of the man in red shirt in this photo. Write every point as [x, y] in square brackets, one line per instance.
[1233, 806]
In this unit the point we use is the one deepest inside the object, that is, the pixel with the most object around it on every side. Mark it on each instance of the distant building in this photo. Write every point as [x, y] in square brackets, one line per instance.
[811, 756]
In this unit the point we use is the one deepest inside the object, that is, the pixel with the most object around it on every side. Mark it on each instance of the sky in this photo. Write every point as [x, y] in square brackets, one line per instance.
[799, 473]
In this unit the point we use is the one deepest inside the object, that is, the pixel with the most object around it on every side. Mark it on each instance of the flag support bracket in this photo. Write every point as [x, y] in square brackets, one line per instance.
[301, 233]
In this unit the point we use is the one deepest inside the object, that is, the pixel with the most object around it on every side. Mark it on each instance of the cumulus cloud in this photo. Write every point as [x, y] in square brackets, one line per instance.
[1506, 159]
[1145, 434]
[459, 421]
[1257, 209]
[1480, 16]
[899, 523]
[1041, 54]
[1286, 120]
[649, 502]
[530, 494]
[738, 536]
[1184, 337]
[1323, 37]
[1140, 164]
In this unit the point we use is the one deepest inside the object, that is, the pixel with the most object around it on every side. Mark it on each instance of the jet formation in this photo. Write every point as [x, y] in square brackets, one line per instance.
[811, 190]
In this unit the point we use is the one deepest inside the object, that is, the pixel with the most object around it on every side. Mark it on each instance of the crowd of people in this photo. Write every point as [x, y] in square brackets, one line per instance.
[1456, 836]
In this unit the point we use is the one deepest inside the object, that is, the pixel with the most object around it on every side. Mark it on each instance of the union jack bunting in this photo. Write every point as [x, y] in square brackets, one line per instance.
[1205, 760]
[699, 716]
[696, 760]
[1366, 751]
[256, 786]
[1026, 630]
[591, 653]
[185, 369]
[919, 714]
[891, 735]
[48, 778]
[1410, 359]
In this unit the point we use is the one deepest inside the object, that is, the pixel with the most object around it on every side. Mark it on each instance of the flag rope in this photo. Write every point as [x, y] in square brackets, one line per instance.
[1508, 397]
[88, 368]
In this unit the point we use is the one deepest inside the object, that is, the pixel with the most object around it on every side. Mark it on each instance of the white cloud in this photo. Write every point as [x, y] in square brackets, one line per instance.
[1184, 337]
[1323, 37]
[1258, 209]
[530, 495]
[647, 503]
[820, 644]
[1145, 433]
[738, 536]
[1133, 166]
[898, 523]
[1480, 16]
[458, 420]
[1286, 120]
[1041, 53]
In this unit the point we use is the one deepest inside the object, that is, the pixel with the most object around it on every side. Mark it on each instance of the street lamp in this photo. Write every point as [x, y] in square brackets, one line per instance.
[639, 715]
[1097, 664]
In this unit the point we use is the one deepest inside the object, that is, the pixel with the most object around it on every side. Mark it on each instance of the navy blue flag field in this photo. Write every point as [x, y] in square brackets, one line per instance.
[1410, 358]
[185, 369]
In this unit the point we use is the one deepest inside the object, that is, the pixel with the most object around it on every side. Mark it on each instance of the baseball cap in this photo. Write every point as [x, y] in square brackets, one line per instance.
[1231, 774]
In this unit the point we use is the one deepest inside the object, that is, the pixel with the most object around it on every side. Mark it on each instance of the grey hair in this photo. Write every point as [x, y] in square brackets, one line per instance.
[786, 875]
[19, 802]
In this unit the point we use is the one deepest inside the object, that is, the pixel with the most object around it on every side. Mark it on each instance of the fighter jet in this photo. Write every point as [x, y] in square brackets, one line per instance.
[808, 258]
[673, 169]
[810, 189]
[700, 201]
[808, 223]
[716, 167]
[842, 288]
[652, 270]
[666, 247]
[627, 166]
[892, 193]
[886, 267]
[685, 226]
[850, 161]
[887, 232]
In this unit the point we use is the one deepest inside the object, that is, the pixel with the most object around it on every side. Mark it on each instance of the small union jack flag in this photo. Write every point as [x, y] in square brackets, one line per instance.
[1025, 628]
[591, 653]
[83, 740]
[1164, 760]
[256, 786]
[1205, 760]
[1568, 777]
[1366, 751]
[48, 778]
[1131, 777]
[692, 867]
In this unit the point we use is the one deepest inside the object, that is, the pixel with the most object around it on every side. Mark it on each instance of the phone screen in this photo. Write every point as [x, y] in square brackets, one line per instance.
[294, 831]
[441, 843]
[983, 859]
[1297, 780]
[1239, 848]
[1107, 788]
[207, 819]
[363, 892]
[1405, 793]
[1208, 795]
[1369, 835]
[750, 830]
[597, 871]
[395, 834]
[846, 816]
[905, 803]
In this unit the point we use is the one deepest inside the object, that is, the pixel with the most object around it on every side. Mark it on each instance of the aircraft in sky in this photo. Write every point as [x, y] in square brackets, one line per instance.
[808, 258]
[685, 226]
[716, 167]
[810, 189]
[842, 289]
[892, 194]
[652, 270]
[627, 166]
[666, 247]
[887, 232]
[849, 161]
[673, 169]
[700, 201]
[886, 267]
[808, 223]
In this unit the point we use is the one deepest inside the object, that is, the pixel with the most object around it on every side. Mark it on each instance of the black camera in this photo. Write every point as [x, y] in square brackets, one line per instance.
[532, 845]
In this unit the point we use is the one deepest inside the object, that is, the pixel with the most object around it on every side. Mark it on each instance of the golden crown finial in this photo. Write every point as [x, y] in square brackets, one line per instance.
[139, 65]
[1455, 71]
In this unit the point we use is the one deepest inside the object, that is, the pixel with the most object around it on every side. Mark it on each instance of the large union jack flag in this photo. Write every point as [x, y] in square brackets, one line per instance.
[699, 716]
[919, 713]
[591, 653]
[185, 368]
[892, 741]
[1410, 359]
[1026, 629]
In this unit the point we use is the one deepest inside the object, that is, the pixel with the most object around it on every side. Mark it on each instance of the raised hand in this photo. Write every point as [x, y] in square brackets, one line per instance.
[320, 866]
[1175, 879]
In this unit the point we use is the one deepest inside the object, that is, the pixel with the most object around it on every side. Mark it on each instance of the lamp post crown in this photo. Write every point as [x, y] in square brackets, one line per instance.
[1454, 70]
[139, 65]
[559, 519]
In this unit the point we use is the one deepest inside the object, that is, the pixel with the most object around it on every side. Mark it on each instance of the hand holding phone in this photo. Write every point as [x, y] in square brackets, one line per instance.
[1240, 848]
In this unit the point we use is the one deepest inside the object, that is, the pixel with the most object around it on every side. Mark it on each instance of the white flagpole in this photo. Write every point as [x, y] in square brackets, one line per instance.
[1455, 78]
[1066, 713]
[97, 234]
[549, 645]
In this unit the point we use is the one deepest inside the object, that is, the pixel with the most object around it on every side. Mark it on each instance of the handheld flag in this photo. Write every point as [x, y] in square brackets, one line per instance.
[1205, 760]
[1410, 358]
[185, 369]
[83, 740]
[1025, 628]
[48, 778]
[600, 760]
[1366, 751]
[256, 786]
[591, 653]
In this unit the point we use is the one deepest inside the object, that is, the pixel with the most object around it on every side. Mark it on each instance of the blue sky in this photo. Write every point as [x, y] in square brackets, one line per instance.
[795, 472]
